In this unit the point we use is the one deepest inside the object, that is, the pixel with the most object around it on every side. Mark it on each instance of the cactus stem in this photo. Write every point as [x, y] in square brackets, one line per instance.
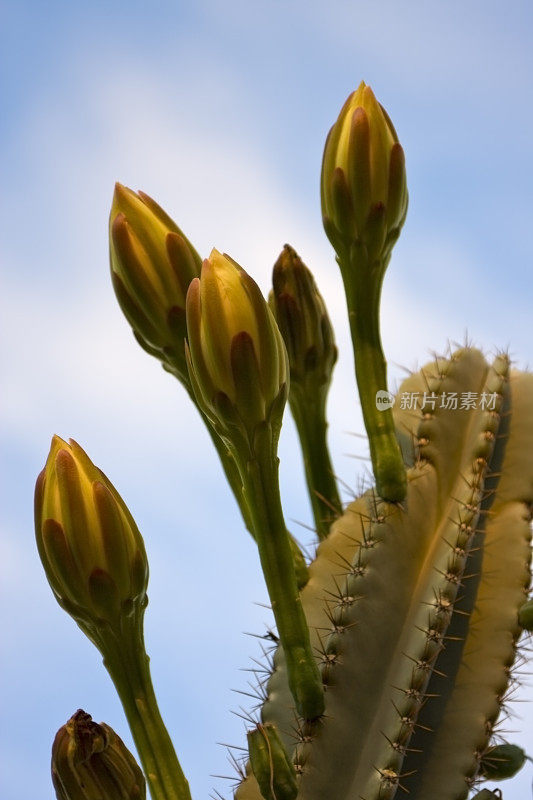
[261, 487]
[362, 282]
[128, 666]
[310, 420]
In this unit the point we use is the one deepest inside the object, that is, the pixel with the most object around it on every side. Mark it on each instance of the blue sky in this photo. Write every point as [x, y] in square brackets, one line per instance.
[220, 110]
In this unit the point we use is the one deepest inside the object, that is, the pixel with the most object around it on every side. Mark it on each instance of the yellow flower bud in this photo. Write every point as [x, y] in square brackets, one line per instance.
[89, 544]
[303, 320]
[90, 762]
[236, 356]
[152, 265]
[363, 187]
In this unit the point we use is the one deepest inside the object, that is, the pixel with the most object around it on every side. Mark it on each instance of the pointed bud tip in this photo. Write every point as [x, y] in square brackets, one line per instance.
[123, 192]
[56, 445]
[368, 93]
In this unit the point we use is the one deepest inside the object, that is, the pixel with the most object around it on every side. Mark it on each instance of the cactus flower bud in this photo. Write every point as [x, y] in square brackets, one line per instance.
[303, 320]
[236, 356]
[89, 544]
[152, 265]
[273, 770]
[502, 761]
[363, 186]
[525, 616]
[90, 762]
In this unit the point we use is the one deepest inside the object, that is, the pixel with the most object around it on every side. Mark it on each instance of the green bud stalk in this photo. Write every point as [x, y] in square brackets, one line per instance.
[239, 371]
[90, 762]
[94, 558]
[302, 318]
[364, 204]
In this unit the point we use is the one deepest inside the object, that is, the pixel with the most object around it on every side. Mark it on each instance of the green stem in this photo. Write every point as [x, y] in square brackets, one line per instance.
[362, 283]
[234, 479]
[310, 418]
[128, 665]
[262, 491]
[229, 466]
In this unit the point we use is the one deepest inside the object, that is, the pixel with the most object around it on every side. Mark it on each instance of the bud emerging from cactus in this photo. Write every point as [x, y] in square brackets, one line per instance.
[364, 203]
[90, 546]
[236, 356]
[152, 265]
[272, 768]
[502, 761]
[363, 187]
[90, 762]
[525, 616]
[239, 371]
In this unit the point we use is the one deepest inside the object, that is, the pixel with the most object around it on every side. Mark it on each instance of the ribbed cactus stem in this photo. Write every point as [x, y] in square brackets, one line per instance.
[414, 608]
[362, 282]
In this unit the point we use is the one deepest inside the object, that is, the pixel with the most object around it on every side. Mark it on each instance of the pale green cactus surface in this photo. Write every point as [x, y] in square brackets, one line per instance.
[413, 608]
[393, 655]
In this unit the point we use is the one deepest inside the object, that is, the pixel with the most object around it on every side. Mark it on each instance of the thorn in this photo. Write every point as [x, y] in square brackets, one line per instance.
[232, 746]
[263, 605]
[303, 525]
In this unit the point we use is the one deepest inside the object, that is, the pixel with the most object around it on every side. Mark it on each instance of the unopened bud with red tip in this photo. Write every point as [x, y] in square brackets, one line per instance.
[363, 185]
[236, 356]
[89, 544]
[90, 762]
[308, 334]
[303, 320]
[152, 265]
